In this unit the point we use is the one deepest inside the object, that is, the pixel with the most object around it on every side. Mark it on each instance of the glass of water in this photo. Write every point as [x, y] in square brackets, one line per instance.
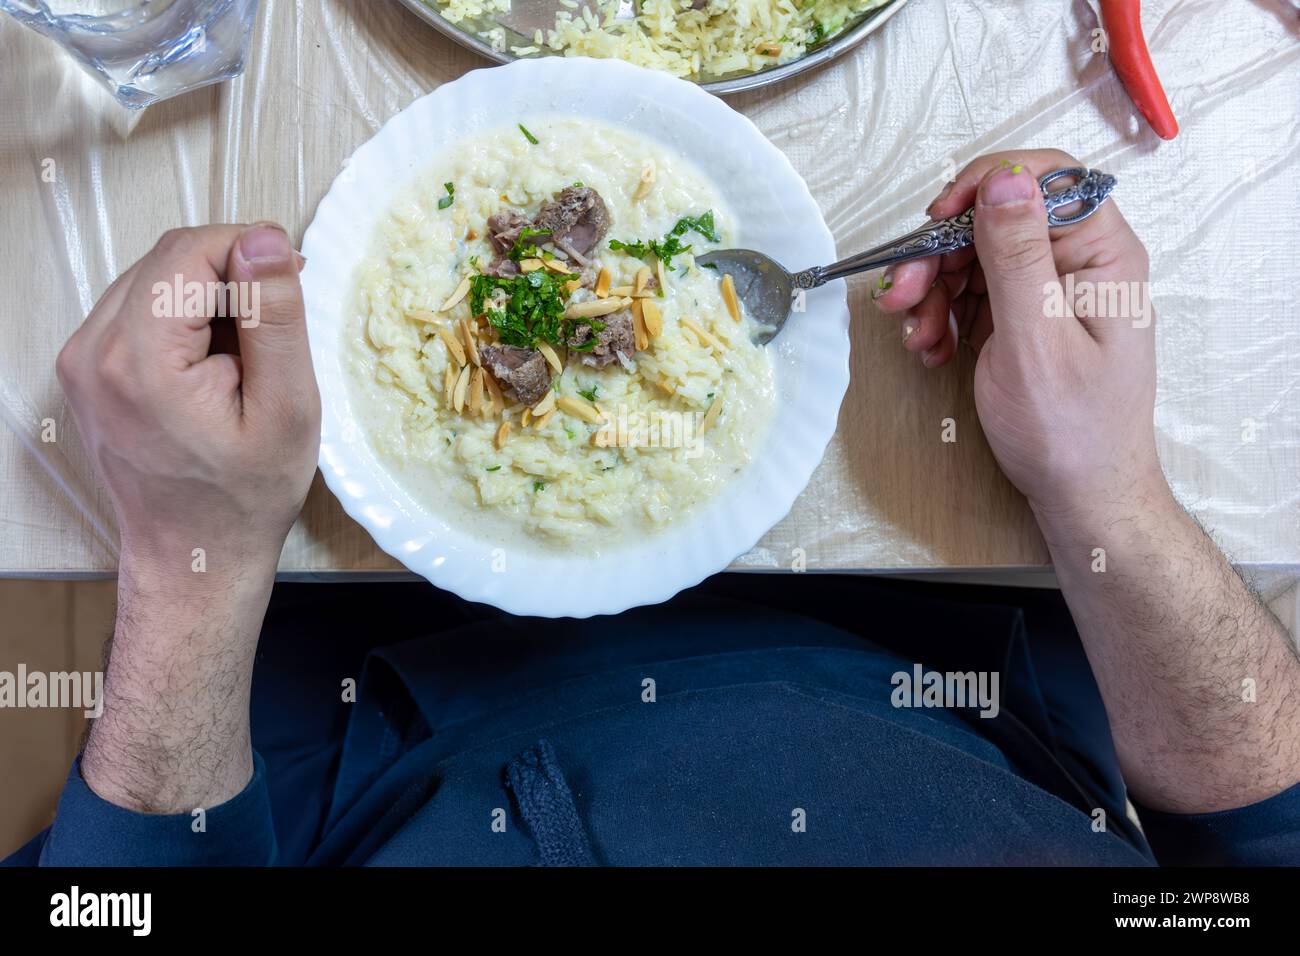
[146, 50]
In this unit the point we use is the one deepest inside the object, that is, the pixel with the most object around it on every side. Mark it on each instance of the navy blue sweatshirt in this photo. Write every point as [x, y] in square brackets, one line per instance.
[704, 733]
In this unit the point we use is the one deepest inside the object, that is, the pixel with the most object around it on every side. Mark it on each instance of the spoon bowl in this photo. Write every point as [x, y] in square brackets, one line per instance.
[771, 292]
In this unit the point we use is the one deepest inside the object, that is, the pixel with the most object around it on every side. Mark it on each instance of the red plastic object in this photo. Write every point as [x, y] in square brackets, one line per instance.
[1122, 21]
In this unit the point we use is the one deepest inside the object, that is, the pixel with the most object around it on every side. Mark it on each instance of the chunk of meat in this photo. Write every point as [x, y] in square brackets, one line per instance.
[502, 267]
[617, 336]
[522, 373]
[576, 219]
[504, 227]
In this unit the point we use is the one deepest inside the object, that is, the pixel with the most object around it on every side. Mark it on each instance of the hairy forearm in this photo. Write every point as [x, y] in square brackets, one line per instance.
[174, 733]
[1200, 681]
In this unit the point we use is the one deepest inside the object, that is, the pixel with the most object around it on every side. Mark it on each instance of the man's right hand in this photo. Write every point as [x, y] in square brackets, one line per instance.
[1066, 402]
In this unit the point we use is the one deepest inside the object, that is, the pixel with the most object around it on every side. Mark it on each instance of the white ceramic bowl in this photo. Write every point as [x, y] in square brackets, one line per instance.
[774, 213]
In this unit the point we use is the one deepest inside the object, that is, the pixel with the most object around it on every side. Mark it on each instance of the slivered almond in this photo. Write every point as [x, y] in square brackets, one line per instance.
[471, 349]
[462, 290]
[711, 415]
[529, 265]
[422, 315]
[624, 291]
[454, 347]
[706, 338]
[593, 308]
[462, 388]
[729, 296]
[552, 359]
[572, 286]
[546, 405]
[653, 318]
[641, 280]
[639, 332]
[578, 409]
[540, 423]
[555, 265]
[525, 418]
[646, 182]
[602, 282]
[768, 49]
[476, 390]
[448, 385]
[502, 434]
[494, 390]
[471, 235]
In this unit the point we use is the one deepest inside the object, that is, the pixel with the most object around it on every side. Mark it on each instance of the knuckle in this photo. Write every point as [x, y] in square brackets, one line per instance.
[176, 243]
[1023, 254]
[280, 299]
[67, 365]
[114, 366]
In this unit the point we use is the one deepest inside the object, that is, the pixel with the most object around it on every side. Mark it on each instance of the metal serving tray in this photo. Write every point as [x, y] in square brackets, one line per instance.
[526, 16]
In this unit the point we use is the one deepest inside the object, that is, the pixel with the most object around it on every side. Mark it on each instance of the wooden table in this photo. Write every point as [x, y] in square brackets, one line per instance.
[85, 189]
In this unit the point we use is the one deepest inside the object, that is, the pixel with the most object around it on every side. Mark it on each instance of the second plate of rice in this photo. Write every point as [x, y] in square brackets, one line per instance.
[724, 45]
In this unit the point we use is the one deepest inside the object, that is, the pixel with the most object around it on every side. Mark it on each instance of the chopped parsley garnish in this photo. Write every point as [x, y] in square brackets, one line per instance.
[701, 224]
[671, 244]
[523, 248]
[448, 199]
[495, 468]
[589, 393]
[532, 312]
[539, 486]
[527, 135]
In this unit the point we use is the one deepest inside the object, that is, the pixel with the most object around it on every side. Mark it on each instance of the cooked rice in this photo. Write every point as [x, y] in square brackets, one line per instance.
[554, 480]
[724, 37]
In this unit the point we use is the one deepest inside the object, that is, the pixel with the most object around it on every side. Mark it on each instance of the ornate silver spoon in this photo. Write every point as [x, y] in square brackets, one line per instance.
[769, 291]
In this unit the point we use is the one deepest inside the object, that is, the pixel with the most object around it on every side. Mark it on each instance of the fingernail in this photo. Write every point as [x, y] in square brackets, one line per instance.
[264, 246]
[883, 284]
[1009, 185]
[299, 258]
[909, 329]
[929, 357]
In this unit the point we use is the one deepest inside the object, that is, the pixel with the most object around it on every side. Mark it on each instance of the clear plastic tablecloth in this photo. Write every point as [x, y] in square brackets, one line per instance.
[85, 188]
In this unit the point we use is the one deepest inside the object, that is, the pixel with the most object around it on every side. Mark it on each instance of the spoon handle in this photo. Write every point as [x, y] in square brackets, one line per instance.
[1091, 188]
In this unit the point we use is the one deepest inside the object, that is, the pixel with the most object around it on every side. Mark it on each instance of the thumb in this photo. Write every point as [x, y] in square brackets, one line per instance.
[273, 328]
[1014, 249]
